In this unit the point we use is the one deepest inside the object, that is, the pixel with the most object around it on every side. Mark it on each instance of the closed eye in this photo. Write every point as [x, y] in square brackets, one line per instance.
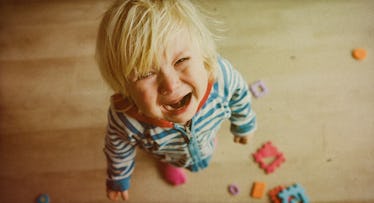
[145, 76]
[181, 60]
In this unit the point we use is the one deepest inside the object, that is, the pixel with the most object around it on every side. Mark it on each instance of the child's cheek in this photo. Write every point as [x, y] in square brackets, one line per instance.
[147, 99]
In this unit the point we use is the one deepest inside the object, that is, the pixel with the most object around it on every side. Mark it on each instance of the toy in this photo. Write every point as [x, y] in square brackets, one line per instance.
[233, 189]
[43, 198]
[258, 190]
[266, 151]
[293, 194]
[273, 194]
[258, 89]
[359, 54]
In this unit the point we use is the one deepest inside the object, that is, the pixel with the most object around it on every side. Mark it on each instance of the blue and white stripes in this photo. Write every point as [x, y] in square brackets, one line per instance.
[192, 147]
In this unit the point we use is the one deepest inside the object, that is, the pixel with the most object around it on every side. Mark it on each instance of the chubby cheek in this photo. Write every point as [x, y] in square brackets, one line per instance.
[199, 79]
[145, 99]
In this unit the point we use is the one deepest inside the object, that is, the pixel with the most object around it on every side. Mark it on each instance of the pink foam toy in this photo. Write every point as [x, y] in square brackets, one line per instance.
[266, 151]
[233, 189]
[258, 89]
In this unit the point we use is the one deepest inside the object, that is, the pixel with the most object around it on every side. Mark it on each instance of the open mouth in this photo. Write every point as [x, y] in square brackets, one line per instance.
[181, 104]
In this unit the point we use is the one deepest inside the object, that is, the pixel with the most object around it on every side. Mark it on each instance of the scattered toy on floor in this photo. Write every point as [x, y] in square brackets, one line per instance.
[258, 190]
[269, 151]
[233, 189]
[359, 54]
[273, 194]
[43, 198]
[293, 194]
[258, 89]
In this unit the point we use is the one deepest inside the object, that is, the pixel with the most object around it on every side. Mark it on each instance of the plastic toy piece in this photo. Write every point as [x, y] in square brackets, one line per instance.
[266, 151]
[43, 198]
[293, 194]
[258, 190]
[258, 89]
[273, 194]
[359, 54]
[233, 189]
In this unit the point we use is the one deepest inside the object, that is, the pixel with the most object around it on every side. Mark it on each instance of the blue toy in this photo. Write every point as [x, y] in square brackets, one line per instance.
[43, 198]
[293, 194]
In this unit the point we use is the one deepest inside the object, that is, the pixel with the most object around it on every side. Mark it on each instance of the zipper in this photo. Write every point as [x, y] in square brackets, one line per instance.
[187, 129]
[192, 145]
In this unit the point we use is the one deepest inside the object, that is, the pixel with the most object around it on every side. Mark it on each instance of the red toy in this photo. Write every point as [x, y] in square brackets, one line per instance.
[273, 194]
[268, 151]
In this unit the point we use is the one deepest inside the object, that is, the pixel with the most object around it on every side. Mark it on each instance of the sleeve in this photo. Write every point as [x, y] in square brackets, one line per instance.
[243, 118]
[120, 152]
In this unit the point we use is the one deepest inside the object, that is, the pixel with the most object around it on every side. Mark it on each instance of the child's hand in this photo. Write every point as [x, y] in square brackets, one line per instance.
[113, 195]
[242, 139]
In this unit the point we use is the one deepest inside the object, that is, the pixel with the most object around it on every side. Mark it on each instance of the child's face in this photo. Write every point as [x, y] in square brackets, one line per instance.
[174, 91]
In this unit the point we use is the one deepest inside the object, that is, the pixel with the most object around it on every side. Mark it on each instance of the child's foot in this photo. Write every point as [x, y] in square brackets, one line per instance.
[174, 175]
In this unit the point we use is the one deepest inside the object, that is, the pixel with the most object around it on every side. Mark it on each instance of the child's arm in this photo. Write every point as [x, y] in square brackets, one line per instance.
[243, 118]
[120, 153]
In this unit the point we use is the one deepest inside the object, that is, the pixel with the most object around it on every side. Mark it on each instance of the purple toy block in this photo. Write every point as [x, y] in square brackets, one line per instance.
[258, 89]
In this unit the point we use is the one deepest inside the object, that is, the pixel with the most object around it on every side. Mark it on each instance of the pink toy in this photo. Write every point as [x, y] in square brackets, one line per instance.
[266, 151]
[233, 189]
[258, 89]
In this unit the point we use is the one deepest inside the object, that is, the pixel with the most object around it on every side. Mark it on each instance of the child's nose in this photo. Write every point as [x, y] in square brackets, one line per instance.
[168, 83]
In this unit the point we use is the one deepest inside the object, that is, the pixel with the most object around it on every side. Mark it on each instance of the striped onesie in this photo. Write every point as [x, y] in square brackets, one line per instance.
[190, 147]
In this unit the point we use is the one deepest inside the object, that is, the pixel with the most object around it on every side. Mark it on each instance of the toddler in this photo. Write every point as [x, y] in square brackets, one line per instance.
[172, 90]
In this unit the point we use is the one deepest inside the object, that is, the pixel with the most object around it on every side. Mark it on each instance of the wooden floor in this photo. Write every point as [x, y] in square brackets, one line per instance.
[319, 110]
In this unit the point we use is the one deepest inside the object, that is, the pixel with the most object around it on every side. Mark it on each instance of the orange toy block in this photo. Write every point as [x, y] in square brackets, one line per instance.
[258, 190]
[359, 54]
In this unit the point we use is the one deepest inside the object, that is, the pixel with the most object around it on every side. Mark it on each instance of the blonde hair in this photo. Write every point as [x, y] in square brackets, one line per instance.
[133, 32]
